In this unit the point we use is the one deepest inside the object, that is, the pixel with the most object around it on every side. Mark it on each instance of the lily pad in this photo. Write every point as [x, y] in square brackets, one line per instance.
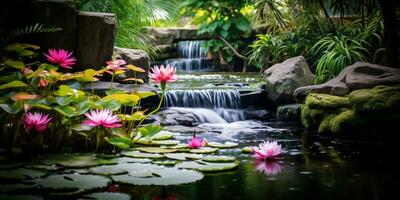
[165, 162]
[204, 150]
[156, 150]
[208, 166]
[219, 158]
[43, 167]
[123, 168]
[163, 135]
[138, 154]
[131, 160]
[247, 150]
[107, 196]
[183, 156]
[223, 145]
[10, 166]
[178, 146]
[165, 142]
[6, 188]
[76, 160]
[21, 174]
[165, 176]
[71, 183]
[20, 197]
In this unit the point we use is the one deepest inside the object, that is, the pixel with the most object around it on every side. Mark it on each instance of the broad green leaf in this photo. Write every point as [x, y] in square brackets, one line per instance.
[204, 150]
[110, 104]
[183, 156]
[138, 154]
[81, 127]
[156, 150]
[125, 99]
[150, 130]
[136, 116]
[222, 145]
[15, 64]
[136, 69]
[13, 84]
[64, 100]
[145, 94]
[66, 110]
[208, 166]
[75, 160]
[120, 142]
[64, 90]
[123, 168]
[21, 174]
[219, 158]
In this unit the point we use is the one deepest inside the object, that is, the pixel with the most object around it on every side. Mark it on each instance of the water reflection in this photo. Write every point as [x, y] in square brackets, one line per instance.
[164, 195]
[268, 167]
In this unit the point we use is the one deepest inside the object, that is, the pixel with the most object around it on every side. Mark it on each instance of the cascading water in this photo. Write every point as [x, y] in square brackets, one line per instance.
[192, 57]
[209, 106]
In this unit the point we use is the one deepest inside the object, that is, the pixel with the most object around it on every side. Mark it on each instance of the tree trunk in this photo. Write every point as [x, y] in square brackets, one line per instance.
[390, 36]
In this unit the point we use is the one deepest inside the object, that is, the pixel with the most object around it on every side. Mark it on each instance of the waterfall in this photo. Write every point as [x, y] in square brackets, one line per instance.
[192, 56]
[209, 106]
[203, 98]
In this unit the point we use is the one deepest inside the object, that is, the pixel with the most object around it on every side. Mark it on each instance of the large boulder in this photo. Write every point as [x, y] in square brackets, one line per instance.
[362, 112]
[134, 57]
[357, 76]
[289, 113]
[95, 39]
[283, 78]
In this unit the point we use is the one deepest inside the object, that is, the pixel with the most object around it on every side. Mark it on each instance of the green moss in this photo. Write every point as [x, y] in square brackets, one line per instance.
[383, 99]
[326, 101]
[324, 125]
[343, 121]
[311, 118]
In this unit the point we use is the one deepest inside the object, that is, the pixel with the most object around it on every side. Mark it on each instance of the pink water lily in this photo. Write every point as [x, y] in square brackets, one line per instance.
[115, 66]
[195, 142]
[268, 167]
[163, 74]
[61, 57]
[36, 121]
[267, 151]
[103, 118]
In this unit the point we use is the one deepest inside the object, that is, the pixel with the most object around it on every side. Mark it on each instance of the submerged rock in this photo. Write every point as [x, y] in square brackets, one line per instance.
[283, 79]
[288, 113]
[360, 112]
[357, 76]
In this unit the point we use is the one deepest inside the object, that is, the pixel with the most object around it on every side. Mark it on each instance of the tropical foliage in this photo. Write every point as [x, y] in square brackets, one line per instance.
[45, 107]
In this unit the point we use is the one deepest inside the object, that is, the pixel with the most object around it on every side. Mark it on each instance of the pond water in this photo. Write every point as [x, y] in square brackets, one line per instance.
[313, 167]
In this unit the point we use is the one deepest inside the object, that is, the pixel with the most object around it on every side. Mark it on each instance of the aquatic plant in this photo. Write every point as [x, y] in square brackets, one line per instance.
[267, 151]
[103, 118]
[163, 74]
[61, 57]
[195, 142]
[36, 121]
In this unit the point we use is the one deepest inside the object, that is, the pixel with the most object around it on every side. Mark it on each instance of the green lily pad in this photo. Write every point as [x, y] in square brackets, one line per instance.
[204, 150]
[123, 168]
[156, 150]
[43, 167]
[165, 142]
[165, 176]
[218, 158]
[21, 174]
[107, 196]
[10, 166]
[208, 166]
[247, 150]
[165, 162]
[222, 145]
[138, 154]
[143, 140]
[19, 197]
[183, 156]
[76, 160]
[163, 135]
[6, 188]
[71, 183]
[131, 160]
[178, 146]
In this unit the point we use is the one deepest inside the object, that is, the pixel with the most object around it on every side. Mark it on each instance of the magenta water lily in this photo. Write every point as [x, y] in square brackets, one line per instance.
[36, 121]
[267, 151]
[103, 118]
[195, 142]
[61, 57]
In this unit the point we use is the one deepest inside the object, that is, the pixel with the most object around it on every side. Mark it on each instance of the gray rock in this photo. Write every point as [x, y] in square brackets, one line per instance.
[173, 118]
[283, 78]
[134, 57]
[186, 130]
[95, 39]
[357, 76]
[57, 13]
[289, 113]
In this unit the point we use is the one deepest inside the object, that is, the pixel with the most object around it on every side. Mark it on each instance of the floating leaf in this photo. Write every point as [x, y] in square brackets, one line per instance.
[163, 135]
[66, 110]
[20, 197]
[13, 84]
[219, 158]
[107, 196]
[183, 156]
[208, 166]
[15, 64]
[21, 174]
[110, 104]
[222, 145]
[150, 130]
[165, 162]
[138, 154]
[132, 160]
[6, 188]
[156, 150]
[73, 183]
[81, 127]
[120, 142]
[75, 160]
[122, 168]
[126, 99]
[204, 150]
[64, 90]
[164, 142]
[247, 150]
[165, 176]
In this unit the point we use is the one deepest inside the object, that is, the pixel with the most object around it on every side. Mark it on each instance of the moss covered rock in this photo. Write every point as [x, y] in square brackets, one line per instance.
[362, 111]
